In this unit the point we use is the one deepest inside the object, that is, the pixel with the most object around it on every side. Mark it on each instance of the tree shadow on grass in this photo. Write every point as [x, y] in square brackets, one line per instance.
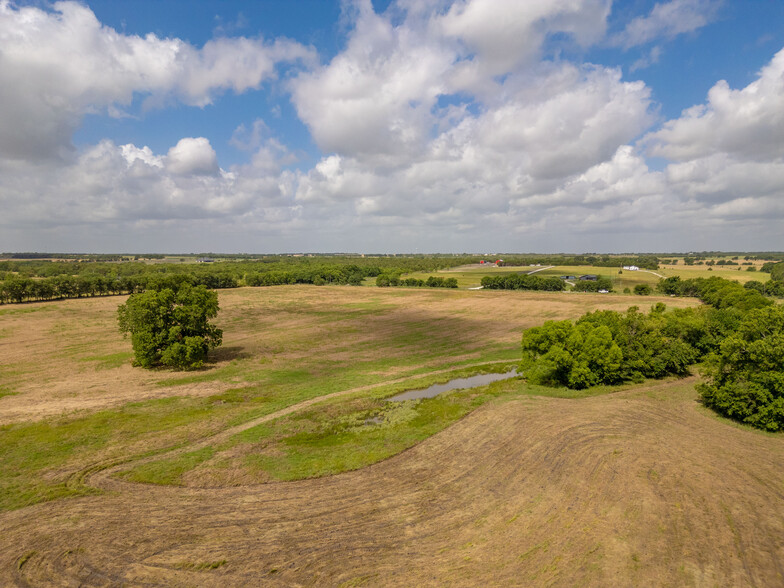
[223, 354]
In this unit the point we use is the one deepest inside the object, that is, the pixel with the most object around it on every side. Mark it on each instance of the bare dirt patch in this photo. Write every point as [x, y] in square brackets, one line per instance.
[641, 487]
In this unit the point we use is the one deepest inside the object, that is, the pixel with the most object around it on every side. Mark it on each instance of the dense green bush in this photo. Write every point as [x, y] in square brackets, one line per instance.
[642, 290]
[605, 347]
[576, 356]
[602, 283]
[746, 375]
[171, 328]
[522, 282]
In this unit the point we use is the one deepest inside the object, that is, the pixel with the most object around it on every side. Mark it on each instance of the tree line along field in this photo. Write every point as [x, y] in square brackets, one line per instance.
[78, 420]
[54, 279]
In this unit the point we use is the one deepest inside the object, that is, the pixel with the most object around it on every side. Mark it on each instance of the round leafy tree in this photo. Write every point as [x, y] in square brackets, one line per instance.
[170, 328]
[746, 375]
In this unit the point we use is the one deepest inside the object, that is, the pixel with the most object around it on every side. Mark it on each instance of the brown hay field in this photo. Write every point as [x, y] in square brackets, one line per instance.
[66, 356]
[636, 487]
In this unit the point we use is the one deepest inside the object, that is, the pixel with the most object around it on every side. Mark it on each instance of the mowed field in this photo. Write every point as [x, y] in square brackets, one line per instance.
[636, 485]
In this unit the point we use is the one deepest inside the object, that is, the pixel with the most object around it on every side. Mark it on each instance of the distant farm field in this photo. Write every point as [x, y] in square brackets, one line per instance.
[111, 474]
[471, 276]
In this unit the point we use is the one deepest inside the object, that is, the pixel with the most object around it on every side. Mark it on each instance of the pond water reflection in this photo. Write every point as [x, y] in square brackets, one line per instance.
[456, 384]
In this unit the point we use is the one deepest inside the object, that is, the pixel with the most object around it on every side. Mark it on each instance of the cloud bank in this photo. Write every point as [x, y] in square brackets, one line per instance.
[441, 126]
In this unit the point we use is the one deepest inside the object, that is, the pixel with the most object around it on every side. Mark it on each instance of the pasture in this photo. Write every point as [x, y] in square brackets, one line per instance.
[281, 461]
[471, 276]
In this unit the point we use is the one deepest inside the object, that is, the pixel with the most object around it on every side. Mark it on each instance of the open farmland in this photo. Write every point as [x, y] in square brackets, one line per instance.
[471, 276]
[633, 486]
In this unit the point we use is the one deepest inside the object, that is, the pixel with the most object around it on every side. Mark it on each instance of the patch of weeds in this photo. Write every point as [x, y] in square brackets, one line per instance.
[169, 471]
[24, 559]
[6, 391]
[543, 546]
[635, 564]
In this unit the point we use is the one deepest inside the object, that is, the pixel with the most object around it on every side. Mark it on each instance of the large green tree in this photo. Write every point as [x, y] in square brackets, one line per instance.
[171, 328]
[746, 375]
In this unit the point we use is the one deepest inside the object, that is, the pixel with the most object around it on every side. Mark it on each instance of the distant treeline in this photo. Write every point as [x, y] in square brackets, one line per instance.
[49, 280]
[642, 261]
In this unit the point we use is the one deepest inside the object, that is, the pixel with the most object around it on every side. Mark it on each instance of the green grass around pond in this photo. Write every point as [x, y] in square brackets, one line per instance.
[37, 458]
[340, 434]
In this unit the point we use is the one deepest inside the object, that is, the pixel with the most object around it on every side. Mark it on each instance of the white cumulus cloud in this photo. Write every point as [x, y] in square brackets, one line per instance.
[667, 20]
[748, 123]
[56, 65]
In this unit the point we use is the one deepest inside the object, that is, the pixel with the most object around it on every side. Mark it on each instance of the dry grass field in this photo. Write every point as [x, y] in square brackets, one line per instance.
[636, 486]
[60, 357]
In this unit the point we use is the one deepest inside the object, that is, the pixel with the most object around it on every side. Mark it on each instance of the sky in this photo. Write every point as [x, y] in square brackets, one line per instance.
[394, 126]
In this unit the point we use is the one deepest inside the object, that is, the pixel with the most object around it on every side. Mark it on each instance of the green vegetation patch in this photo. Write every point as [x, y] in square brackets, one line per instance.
[343, 434]
[169, 471]
[37, 458]
[6, 391]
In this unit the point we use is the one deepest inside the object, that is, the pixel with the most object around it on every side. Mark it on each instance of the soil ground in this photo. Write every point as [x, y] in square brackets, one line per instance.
[637, 488]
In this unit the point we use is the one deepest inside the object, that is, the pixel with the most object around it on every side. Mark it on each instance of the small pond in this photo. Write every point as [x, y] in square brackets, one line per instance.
[457, 384]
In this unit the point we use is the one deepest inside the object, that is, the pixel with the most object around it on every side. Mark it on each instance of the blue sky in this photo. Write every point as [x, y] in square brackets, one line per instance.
[394, 126]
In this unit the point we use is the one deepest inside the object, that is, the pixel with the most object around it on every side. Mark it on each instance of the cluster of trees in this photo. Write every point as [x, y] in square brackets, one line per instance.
[171, 328]
[769, 288]
[387, 280]
[775, 269]
[738, 334]
[718, 291]
[523, 282]
[340, 275]
[605, 347]
[643, 261]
